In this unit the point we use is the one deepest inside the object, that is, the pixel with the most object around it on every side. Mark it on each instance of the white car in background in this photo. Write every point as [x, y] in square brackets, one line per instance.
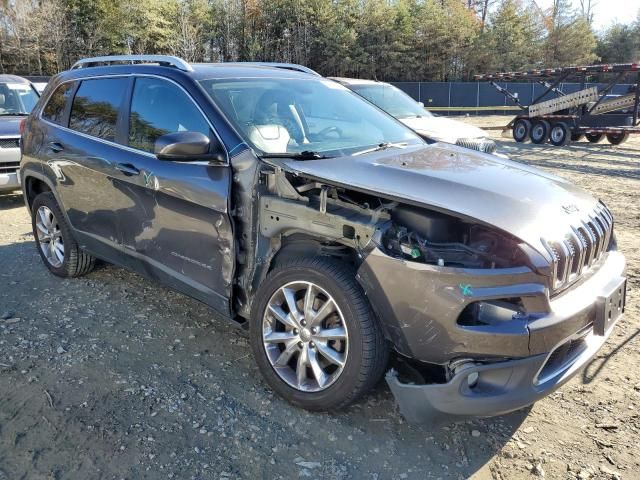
[413, 114]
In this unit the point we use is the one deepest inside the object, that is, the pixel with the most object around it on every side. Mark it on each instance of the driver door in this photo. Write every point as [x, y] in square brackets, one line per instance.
[178, 227]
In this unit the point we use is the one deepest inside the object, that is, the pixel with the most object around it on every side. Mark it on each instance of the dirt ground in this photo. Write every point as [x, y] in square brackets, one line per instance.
[112, 377]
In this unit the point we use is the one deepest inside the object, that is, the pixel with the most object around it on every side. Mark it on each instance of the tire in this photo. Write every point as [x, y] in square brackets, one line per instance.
[560, 134]
[617, 138]
[540, 131]
[521, 130]
[576, 137]
[361, 346]
[594, 137]
[54, 240]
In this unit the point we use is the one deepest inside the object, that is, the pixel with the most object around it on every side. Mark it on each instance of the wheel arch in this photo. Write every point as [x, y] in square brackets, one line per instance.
[34, 183]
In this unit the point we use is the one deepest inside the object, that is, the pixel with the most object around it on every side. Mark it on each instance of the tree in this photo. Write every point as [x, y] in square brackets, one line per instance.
[570, 39]
[619, 44]
[513, 37]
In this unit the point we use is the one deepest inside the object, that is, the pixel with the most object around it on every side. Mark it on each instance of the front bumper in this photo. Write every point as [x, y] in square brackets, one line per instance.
[9, 169]
[498, 388]
[509, 365]
[9, 181]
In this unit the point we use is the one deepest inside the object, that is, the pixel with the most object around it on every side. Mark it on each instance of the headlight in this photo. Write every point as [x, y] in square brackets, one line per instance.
[435, 238]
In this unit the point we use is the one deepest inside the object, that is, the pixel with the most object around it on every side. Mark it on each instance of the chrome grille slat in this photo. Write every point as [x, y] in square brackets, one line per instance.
[485, 145]
[582, 246]
[582, 249]
[599, 235]
[9, 142]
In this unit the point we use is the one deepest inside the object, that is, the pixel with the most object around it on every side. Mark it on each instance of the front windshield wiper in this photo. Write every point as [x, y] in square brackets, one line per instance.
[306, 155]
[381, 146]
[13, 114]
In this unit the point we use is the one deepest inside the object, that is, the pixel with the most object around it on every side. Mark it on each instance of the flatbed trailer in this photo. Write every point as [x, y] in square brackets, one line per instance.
[567, 117]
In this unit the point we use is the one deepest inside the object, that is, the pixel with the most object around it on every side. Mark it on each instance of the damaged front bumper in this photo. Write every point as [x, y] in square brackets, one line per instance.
[501, 367]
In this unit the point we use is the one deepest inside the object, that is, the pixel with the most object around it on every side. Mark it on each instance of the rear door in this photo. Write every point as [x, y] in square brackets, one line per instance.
[85, 157]
[179, 224]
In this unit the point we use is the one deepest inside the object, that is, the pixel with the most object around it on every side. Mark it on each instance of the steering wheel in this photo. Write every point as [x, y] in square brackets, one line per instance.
[333, 129]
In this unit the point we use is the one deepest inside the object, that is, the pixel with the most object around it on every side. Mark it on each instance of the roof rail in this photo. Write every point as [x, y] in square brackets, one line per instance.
[165, 60]
[285, 66]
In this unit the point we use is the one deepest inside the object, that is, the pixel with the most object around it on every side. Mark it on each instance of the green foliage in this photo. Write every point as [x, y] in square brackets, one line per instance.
[383, 39]
[620, 44]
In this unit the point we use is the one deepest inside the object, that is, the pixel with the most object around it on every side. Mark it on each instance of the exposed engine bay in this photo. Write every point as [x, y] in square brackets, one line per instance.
[402, 231]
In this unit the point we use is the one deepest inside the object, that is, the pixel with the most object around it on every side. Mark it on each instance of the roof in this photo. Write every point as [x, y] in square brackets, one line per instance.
[13, 79]
[356, 81]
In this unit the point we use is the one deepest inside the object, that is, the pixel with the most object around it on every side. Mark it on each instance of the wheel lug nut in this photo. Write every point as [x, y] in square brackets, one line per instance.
[312, 345]
[300, 344]
[295, 331]
[303, 322]
[314, 330]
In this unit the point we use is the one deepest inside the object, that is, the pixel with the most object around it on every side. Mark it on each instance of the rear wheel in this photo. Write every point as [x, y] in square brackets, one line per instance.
[521, 130]
[617, 138]
[56, 245]
[540, 131]
[594, 137]
[314, 335]
[560, 134]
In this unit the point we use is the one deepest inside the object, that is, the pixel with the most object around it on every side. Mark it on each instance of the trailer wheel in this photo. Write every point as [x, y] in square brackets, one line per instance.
[576, 137]
[540, 131]
[594, 137]
[617, 138]
[560, 134]
[521, 130]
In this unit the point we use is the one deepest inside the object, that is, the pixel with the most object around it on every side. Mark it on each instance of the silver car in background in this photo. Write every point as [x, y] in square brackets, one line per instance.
[413, 114]
[17, 99]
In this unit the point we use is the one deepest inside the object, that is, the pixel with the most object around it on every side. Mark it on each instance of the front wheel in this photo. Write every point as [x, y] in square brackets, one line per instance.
[521, 130]
[314, 336]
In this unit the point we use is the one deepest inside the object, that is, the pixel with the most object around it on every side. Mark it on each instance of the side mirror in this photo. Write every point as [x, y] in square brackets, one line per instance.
[186, 147]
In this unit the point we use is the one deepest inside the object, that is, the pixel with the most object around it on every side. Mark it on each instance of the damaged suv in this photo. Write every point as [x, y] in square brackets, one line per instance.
[331, 231]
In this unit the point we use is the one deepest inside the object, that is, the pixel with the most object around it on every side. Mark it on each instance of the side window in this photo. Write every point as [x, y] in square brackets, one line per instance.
[95, 107]
[54, 109]
[159, 107]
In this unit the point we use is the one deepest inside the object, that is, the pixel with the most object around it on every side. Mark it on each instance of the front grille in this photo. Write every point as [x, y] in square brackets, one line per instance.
[485, 145]
[582, 247]
[9, 167]
[9, 142]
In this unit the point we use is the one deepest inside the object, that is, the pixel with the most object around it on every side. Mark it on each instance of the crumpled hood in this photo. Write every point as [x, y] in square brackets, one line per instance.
[10, 126]
[443, 129]
[521, 200]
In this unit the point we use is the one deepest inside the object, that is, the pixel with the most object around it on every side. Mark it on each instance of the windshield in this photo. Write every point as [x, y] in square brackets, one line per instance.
[291, 115]
[392, 100]
[17, 98]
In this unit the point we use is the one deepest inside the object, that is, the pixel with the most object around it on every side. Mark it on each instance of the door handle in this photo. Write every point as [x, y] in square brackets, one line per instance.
[127, 169]
[56, 147]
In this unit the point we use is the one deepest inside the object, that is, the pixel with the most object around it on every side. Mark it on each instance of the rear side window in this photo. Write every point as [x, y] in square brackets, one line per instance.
[95, 107]
[159, 107]
[54, 109]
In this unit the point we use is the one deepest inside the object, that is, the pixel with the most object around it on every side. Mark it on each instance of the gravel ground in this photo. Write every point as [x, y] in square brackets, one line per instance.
[111, 376]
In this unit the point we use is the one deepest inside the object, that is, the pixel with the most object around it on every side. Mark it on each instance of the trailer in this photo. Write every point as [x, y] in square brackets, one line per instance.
[589, 112]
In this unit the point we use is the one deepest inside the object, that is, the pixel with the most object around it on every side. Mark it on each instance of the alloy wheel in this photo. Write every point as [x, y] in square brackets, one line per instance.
[49, 236]
[305, 336]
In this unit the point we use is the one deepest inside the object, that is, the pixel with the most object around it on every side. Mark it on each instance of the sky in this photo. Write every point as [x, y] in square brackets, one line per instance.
[606, 11]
